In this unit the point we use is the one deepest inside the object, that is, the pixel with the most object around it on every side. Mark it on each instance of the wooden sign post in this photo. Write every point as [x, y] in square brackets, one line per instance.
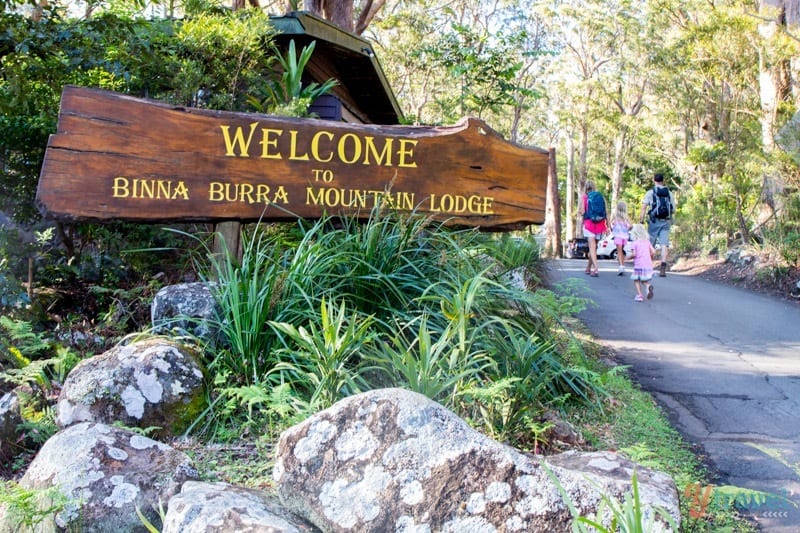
[115, 157]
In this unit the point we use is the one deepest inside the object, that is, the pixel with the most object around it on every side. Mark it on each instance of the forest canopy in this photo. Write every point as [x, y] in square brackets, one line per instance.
[703, 93]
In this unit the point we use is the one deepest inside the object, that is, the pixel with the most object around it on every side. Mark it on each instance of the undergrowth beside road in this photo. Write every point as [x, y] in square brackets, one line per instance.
[314, 313]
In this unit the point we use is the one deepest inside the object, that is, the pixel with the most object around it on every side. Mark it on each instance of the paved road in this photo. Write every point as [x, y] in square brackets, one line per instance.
[724, 363]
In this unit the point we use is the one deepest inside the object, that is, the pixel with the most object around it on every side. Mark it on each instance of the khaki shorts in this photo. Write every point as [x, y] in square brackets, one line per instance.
[658, 230]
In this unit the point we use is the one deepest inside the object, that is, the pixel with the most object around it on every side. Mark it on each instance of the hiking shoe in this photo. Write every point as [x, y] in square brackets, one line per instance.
[662, 271]
[650, 292]
[638, 298]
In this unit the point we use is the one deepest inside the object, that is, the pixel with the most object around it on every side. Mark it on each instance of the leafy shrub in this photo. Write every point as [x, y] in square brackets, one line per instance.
[338, 306]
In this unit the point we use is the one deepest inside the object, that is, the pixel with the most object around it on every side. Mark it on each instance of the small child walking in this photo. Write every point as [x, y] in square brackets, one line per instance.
[620, 226]
[642, 253]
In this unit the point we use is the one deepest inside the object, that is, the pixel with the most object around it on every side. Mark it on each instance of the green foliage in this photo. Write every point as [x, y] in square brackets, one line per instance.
[386, 262]
[526, 375]
[144, 432]
[223, 55]
[416, 361]
[28, 508]
[172, 60]
[13, 294]
[37, 426]
[326, 309]
[248, 293]
[733, 496]
[512, 251]
[786, 240]
[288, 95]
[322, 360]
[36, 365]
[277, 403]
[27, 343]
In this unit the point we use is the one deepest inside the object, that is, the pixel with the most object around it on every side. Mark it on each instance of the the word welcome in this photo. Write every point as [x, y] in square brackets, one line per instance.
[323, 146]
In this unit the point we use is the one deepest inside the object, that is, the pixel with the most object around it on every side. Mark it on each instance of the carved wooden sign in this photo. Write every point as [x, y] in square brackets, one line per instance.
[115, 157]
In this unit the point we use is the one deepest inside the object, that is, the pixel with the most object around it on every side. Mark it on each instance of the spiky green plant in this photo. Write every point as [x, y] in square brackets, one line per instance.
[432, 366]
[247, 293]
[323, 359]
[288, 95]
[425, 310]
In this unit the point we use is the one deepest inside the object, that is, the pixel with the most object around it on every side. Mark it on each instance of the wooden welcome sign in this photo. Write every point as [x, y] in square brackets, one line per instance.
[115, 157]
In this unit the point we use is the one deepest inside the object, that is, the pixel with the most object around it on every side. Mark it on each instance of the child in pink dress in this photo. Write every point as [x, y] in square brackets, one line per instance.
[642, 255]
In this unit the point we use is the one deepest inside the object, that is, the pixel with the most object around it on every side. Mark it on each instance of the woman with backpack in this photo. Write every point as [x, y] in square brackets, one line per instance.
[595, 223]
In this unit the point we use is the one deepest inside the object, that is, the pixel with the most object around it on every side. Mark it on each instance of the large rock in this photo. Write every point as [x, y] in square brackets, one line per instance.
[222, 508]
[185, 308]
[105, 473]
[393, 460]
[155, 383]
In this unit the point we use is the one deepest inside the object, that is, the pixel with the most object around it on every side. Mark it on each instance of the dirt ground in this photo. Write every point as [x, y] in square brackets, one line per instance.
[759, 275]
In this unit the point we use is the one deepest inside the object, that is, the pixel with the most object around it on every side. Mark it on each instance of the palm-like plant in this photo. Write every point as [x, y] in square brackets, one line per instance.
[288, 95]
[324, 359]
[432, 367]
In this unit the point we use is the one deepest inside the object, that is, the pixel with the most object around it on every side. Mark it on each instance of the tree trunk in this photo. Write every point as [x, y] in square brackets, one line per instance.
[583, 167]
[66, 239]
[775, 82]
[620, 150]
[338, 12]
[227, 239]
[552, 220]
[569, 193]
[741, 220]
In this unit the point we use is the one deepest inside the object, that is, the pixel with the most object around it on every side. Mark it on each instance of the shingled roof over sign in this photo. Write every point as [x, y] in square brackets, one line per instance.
[346, 57]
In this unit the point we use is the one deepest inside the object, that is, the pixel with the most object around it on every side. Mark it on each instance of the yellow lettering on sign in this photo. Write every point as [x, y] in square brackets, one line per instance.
[457, 204]
[322, 146]
[280, 196]
[246, 193]
[369, 142]
[149, 189]
[315, 147]
[406, 151]
[358, 198]
[404, 201]
[343, 151]
[120, 188]
[238, 140]
[268, 142]
[293, 148]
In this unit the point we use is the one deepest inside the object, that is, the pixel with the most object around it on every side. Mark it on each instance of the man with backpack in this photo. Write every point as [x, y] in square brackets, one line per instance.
[659, 206]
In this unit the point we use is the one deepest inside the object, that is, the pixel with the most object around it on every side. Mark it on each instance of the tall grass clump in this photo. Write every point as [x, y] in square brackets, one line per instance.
[325, 309]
